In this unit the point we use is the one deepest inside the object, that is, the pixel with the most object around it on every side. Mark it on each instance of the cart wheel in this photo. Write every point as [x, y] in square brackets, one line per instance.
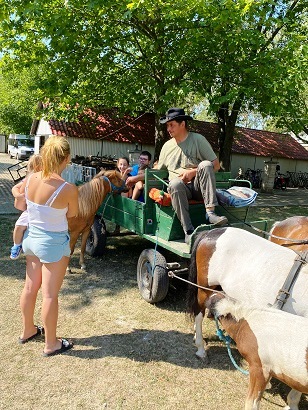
[153, 288]
[96, 241]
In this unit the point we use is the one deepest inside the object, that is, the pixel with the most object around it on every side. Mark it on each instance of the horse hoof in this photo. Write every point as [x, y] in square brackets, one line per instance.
[68, 270]
[203, 357]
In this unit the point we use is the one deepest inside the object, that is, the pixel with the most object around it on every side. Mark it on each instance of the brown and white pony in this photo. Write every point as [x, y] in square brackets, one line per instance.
[90, 197]
[247, 268]
[294, 228]
[273, 342]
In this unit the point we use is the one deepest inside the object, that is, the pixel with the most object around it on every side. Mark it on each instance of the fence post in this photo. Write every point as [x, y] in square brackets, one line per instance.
[269, 176]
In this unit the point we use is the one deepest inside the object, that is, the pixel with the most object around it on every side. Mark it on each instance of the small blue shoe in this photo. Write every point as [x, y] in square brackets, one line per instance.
[16, 251]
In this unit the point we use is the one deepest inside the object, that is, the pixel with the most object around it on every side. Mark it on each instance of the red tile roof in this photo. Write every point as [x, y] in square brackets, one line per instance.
[254, 142]
[108, 126]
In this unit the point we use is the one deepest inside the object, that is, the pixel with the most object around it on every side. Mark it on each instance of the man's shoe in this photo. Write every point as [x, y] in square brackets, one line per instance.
[188, 236]
[214, 219]
[15, 251]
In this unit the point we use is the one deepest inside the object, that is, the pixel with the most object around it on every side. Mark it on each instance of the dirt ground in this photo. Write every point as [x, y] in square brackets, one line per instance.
[128, 354]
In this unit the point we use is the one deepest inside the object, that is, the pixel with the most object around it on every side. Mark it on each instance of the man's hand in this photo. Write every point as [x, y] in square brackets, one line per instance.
[188, 175]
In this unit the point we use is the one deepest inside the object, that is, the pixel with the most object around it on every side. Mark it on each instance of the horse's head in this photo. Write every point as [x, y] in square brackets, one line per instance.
[211, 302]
[114, 178]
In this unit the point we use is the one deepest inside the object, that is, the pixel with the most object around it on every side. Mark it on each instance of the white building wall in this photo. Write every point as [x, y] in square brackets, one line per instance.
[252, 162]
[2, 143]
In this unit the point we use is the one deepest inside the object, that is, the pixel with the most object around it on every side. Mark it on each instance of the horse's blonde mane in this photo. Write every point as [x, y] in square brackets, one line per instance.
[92, 193]
[90, 196]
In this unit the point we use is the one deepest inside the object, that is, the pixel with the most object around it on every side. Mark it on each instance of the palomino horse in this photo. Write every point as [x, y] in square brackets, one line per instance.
[294, 228]
[247, 268]
[90, 197]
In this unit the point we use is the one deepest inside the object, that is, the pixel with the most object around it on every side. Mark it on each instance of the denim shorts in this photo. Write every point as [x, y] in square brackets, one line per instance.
[46, 245]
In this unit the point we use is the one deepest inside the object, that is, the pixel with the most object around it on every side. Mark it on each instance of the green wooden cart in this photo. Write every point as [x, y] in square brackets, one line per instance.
[159, 225]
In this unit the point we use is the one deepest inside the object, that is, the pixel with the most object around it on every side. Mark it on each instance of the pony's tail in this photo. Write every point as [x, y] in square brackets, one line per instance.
[192, 291]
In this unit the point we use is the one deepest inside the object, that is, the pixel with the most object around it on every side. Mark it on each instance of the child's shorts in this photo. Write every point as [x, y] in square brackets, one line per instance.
[46, 245]
[23, 219]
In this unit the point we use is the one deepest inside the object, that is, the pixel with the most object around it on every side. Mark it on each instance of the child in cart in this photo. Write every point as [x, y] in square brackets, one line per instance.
[138, 188]
[34, 165]
[125, 169]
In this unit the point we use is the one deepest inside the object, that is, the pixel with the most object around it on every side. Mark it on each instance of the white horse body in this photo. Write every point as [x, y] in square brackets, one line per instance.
[252, 269]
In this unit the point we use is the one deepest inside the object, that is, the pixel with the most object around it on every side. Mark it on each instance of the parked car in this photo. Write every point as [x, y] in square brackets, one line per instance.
[20, 146]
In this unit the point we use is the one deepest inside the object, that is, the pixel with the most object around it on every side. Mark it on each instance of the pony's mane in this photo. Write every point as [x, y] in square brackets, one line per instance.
[237, 309]
[90, 197]
[91, 194]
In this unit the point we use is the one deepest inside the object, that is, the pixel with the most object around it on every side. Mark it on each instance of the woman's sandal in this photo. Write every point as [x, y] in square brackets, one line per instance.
[65, 345]
[39, 332]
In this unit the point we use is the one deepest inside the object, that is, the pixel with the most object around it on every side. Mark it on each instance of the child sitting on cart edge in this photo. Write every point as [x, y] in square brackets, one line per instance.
[191, 164]
[137, 178]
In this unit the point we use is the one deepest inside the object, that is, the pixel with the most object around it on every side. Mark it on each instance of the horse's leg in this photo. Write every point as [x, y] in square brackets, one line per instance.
[84, 238]
[293, 399]
[73, 240]
[257, 385]
[199, 342]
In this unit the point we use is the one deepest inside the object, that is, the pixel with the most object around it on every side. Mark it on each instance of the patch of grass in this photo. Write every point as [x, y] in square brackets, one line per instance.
[128, 354]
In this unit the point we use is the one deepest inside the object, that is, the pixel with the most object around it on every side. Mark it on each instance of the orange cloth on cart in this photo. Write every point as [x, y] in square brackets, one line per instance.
[160, 196]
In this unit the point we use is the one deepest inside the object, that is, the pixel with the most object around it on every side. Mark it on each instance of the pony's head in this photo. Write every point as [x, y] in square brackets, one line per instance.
[114, 178]
[211, 303]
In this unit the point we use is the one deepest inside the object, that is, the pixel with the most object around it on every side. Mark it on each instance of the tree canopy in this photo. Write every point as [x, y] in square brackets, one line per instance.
[141, 55]
[18, 100]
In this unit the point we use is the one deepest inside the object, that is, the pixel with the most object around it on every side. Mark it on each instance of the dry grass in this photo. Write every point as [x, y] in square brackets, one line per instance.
[128, 354]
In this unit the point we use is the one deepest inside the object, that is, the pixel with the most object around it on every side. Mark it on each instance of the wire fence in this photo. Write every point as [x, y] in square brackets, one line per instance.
[297, 179]
[75, 173]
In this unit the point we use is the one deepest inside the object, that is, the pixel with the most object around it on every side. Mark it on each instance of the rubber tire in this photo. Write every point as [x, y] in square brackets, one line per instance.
[160, 283]
[96, 242]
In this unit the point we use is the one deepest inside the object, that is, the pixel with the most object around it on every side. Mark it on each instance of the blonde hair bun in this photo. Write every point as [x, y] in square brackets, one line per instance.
[54, 152]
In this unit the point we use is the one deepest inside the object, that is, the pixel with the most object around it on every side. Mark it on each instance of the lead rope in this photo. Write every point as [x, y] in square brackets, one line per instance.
[228, 340]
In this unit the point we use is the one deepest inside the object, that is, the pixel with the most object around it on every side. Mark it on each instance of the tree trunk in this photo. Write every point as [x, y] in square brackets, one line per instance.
[226, 124]
[161, 136]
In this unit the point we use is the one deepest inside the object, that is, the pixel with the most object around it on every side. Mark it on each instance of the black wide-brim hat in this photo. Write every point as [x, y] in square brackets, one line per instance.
[173, 114]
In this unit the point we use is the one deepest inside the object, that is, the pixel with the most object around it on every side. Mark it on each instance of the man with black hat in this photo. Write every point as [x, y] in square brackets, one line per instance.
[191, 163]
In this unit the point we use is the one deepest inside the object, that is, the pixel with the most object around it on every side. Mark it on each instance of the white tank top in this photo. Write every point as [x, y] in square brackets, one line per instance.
[44, 216]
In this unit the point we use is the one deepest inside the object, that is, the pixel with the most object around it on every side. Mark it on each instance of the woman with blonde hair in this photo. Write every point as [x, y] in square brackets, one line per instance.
[50, 201]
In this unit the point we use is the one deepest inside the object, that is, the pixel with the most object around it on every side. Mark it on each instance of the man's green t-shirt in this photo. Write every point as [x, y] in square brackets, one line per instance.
[187, 154]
